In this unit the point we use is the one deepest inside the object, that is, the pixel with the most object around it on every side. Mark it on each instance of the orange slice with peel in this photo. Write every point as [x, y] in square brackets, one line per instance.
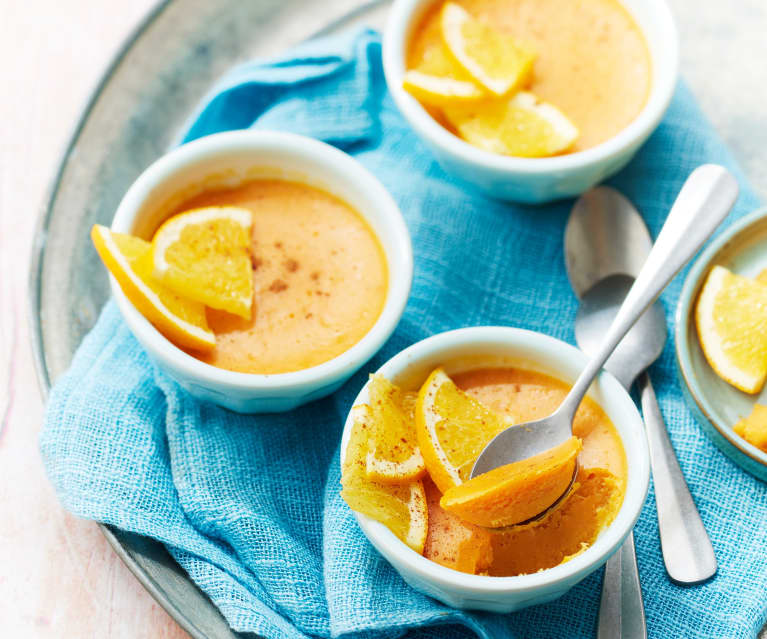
[452, 429]
[731, 318]
[515, 492]
[204, 255]
[438, 91]
[129, 259]
[393, 454]
[522, 126]
[400, 507]
[438, 79]
[493, 59]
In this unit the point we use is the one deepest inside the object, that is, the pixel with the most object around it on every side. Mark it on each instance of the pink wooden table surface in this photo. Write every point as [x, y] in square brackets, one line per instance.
[58, 575]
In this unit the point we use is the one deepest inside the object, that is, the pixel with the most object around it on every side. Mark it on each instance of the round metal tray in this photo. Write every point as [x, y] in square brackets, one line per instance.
[135, 113]
[143, 101]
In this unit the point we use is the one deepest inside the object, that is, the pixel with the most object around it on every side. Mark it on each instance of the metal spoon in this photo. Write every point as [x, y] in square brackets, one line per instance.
[597, 277]
[704, 201]
[687, 550]
[606, 236]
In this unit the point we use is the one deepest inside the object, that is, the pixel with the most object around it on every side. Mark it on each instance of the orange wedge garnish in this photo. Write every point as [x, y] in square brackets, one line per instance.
[399, 507]
[493, 59]
[731, 318]
[393, 453]
[452, 429]
[129, 259]
[204, 255]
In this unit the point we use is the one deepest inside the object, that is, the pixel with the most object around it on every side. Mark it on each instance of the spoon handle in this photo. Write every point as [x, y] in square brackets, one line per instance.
[687, 550]
[704, 201]
[621, 608]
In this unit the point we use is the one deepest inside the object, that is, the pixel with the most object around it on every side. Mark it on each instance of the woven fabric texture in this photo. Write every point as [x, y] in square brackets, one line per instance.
[249, 505]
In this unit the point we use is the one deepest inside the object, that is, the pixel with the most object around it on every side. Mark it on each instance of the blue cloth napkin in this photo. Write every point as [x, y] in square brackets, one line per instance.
[249, 505]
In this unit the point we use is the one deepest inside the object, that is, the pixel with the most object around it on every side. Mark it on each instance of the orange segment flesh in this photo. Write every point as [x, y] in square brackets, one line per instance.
[129, 259]
[565, 532]
[204, 255]
[452, 429]
[754, 427]
[393, 454]
[731, 320]
[516, 492]
[399, 507]
[452, 542]
[493, 59]
[521, 126]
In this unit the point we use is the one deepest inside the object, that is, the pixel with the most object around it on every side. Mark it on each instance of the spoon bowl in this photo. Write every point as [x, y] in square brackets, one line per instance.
[604, 235]
[601, 273]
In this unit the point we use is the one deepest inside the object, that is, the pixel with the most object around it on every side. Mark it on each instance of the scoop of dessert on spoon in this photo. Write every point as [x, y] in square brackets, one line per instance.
[705, 199]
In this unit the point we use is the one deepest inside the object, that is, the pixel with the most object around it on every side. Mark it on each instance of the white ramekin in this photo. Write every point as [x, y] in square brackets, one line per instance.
[536, 180]
[492, 346]
[228, 159]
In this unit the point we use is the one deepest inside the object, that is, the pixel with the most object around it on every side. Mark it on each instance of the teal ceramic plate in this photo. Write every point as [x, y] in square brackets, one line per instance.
[718, 406]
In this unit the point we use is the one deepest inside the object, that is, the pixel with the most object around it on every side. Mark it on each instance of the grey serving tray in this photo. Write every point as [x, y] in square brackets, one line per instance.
[146, 96]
